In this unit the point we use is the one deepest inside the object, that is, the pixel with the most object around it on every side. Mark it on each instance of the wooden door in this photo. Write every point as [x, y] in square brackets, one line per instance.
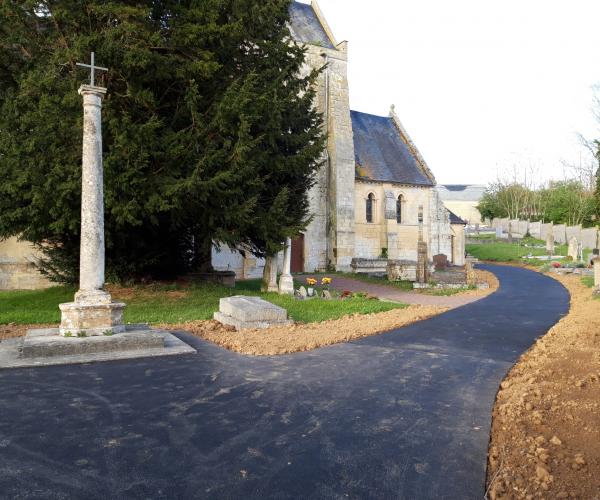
[297, 263]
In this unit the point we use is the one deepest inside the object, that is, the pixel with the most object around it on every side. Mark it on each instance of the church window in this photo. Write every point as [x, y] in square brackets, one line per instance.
[399, 209]
[370, 203]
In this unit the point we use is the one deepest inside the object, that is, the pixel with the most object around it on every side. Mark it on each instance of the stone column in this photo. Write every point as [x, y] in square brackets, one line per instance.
[91, 258]
[286, 281]
[93, 312]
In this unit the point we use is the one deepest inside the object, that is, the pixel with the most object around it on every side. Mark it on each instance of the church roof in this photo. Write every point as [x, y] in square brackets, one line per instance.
[455, 219]
[381, 154]
[306, 27]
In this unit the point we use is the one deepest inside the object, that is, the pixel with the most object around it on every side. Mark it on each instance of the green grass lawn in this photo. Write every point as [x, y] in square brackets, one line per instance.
[174, 303]
[510, 252]
[588, 281]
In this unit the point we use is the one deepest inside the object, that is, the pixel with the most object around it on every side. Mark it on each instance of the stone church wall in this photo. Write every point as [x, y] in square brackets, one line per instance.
[400, 239]
[17, 267]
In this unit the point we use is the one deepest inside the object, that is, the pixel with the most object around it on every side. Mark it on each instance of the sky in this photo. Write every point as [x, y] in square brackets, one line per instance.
[482, 86]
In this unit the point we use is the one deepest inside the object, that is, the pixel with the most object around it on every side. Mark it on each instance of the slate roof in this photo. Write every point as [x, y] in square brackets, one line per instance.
[306, 27]
[455, 219]
[461, 192]
[381, 154]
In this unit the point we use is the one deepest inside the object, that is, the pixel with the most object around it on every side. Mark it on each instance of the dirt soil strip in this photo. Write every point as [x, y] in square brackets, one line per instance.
[304, 337]
[545, 440]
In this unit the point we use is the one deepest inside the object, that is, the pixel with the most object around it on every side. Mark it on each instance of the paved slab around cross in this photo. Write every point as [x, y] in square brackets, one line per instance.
[401, 415]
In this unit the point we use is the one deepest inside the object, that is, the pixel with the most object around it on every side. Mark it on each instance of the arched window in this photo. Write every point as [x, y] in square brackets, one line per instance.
[370, 203]
[399, 209]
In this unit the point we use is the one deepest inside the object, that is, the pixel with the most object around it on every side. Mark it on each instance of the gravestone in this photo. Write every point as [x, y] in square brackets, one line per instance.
[573, 248]
[470, 271]
[596, 262]
[422, 271]
[550, 243]
[498, 233]
[244, 312]
[440, 262]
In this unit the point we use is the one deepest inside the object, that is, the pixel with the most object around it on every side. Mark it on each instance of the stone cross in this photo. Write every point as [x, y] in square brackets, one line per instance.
[93, 312]
[286, 281]
[93, 69]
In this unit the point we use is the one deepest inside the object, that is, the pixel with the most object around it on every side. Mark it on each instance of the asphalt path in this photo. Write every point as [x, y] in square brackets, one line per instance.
[405, 414]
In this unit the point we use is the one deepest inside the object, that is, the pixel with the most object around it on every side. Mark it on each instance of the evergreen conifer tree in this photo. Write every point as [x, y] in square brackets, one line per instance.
[208, 128]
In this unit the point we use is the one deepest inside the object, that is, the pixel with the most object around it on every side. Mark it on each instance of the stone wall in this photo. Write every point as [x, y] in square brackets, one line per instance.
[17, 267]
[400, 239]
[589, 237]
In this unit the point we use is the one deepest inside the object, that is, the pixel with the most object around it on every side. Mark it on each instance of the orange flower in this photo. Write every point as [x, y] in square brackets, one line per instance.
[325, 281]
[311, 281]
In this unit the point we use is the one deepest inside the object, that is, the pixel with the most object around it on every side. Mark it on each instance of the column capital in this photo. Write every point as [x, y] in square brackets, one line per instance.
[91, 89]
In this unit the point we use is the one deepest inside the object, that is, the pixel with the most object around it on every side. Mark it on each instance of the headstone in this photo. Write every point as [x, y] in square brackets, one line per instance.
[422, 271]
[302, 292]
[440, 262]
[573, 246]
[550, 243]
[498, 232]
[326, 295]
[596, 262]
[470, 270]
[243, 312]
[310, 291]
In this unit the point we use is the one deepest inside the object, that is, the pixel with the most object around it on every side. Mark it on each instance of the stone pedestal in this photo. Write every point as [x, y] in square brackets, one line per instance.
[93, 312]
[91, 319]
[286, 281]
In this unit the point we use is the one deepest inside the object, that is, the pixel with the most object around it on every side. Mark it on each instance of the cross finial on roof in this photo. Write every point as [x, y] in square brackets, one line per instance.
[93, 69]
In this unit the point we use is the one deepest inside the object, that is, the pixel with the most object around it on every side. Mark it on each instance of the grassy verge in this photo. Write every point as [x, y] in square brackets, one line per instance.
[511, 252]
[175, 303]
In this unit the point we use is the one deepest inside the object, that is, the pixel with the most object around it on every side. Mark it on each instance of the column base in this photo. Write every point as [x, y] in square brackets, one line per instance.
[84, 319]
[286, 284]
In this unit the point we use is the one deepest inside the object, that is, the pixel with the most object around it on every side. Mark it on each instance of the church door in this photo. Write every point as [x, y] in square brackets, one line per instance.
[297, 263]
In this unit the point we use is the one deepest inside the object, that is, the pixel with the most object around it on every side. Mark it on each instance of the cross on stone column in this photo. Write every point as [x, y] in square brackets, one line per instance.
[92, 312]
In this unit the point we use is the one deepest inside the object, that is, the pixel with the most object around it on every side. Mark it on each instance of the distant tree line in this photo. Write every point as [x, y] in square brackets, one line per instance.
[572, 201]
[209, 130]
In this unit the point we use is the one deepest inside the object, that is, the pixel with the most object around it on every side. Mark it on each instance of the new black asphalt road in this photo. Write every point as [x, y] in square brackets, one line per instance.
[404, 415]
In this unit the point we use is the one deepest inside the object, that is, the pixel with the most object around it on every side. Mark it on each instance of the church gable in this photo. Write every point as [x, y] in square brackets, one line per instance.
[306, 26]
[382, 155]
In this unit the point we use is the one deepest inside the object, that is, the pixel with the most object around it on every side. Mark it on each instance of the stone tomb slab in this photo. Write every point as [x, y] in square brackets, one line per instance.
[45, 347]
[243, 312]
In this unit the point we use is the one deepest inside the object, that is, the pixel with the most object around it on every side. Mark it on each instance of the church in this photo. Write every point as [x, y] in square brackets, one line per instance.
[375, 196]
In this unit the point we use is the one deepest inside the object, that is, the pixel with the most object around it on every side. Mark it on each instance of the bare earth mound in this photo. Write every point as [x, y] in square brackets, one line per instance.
[545, 440]
[484, 277]
[304, 337]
